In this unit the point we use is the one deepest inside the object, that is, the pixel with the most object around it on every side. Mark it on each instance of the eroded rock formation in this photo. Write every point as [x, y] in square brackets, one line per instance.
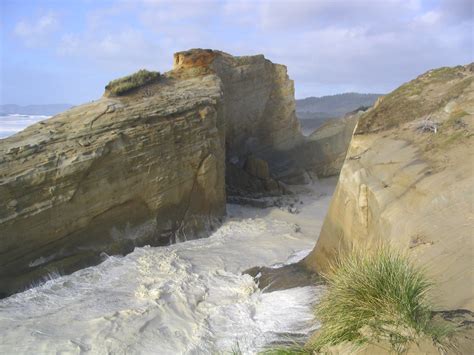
[144, 167]
[259, 101]
[408, 181]
[149, 164]
[260, 116]
[323, 152]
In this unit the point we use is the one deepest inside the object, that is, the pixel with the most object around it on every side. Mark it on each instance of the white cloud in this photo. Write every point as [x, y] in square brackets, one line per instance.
[124, 50]
[34, 33]
[366, 45]
[308, 14]
[430, 17]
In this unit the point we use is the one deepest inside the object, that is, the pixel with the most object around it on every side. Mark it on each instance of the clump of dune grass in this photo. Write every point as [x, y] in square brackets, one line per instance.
[128, 83]
[296, 350]
[374, 297]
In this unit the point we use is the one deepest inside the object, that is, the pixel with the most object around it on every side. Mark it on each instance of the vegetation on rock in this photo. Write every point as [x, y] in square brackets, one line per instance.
[128, 83]
[375, 297]
[416, 99]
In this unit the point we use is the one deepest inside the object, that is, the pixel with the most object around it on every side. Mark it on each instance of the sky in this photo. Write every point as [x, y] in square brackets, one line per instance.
[66, 51]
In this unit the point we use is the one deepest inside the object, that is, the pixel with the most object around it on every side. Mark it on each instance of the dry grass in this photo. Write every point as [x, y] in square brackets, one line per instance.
[416, 99]
[128, 83]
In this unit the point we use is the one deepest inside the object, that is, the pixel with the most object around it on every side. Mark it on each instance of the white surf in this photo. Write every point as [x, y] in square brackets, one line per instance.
[13, 123]
[187, 298]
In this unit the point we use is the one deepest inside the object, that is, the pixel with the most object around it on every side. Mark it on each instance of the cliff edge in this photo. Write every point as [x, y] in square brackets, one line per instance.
[260, 120]
[104, 177]
[144, 164]
[407, 181]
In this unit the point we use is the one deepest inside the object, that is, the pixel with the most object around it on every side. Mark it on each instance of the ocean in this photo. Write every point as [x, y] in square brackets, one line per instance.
[13, 123]
[186, 298]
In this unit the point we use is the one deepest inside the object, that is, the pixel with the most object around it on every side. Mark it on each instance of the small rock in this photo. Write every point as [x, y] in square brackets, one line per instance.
[293, 210]
[13, 203]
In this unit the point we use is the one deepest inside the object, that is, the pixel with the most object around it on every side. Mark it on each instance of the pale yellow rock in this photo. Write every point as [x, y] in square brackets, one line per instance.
[411, 188]
[326, 148]
[109, 175]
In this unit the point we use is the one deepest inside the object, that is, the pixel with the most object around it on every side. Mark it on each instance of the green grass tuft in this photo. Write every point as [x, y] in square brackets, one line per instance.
[376, 297]
[128, 83]
[288, 351]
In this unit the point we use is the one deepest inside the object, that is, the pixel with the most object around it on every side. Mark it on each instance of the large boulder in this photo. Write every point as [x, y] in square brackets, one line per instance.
[408, 181]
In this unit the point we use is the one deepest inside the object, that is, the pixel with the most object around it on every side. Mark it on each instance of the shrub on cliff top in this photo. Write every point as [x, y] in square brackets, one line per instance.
[124, 85]
[376, 297]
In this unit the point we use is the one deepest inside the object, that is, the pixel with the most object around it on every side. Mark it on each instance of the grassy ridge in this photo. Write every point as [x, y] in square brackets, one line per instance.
[128, 83]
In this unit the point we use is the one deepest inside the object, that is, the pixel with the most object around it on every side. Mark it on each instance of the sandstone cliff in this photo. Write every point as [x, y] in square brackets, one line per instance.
[408, 180]
[260, 120]
[325, 149]
[259, 101]
[319, 155]
[145, 168]
[141, 166]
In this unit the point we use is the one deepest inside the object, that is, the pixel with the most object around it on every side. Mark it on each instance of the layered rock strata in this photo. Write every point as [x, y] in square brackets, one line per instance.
[261, 124]
[259, 101]
[145, 167]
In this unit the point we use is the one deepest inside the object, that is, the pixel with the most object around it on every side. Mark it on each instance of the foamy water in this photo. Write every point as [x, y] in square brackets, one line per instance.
[10, 124]
[188, 298]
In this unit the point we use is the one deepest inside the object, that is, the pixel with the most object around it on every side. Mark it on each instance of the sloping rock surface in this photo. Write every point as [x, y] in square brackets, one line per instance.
[104, 177]
[408, 181]
[325, 149]
[144, 167]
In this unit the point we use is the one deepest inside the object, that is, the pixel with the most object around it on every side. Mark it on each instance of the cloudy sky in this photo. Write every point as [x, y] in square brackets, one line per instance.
[65, 51]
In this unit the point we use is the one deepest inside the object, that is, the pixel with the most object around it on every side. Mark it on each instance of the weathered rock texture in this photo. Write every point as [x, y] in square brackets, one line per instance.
[324, 152]
[319, 155]
[406, 185]
[107, 176]
[144, 168]
[260, 116]
[259, 101]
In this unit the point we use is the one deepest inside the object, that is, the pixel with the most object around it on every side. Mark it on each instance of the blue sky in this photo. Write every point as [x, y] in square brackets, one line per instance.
[65, 51]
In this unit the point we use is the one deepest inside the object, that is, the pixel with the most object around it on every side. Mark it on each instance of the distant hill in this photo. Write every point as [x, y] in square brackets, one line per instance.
[334, 105]
[314, 111]
[46, 110]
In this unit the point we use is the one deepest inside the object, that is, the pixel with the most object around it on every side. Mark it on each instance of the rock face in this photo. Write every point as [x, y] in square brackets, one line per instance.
[147, 167]
[252, 179]
[260, 116]
[319, 155]
[259, 102]
[408, 181]
[326, 148]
